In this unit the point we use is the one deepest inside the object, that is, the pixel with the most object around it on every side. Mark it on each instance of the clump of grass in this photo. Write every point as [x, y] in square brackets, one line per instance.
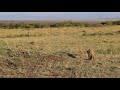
[112, 68]
[108, 51]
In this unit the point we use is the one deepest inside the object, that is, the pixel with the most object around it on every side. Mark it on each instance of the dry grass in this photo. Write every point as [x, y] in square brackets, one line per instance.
[60, 52]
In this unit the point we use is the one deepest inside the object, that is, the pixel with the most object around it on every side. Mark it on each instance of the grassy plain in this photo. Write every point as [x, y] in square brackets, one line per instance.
[60, 52]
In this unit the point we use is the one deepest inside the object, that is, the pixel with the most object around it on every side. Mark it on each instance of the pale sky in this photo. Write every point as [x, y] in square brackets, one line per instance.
[56, 15]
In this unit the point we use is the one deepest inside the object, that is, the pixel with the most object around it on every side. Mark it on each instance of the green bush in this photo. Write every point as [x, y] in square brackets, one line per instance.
[111, 23]
[116, 22]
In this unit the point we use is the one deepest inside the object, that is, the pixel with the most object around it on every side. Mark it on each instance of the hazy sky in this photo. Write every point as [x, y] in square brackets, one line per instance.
[56, 15]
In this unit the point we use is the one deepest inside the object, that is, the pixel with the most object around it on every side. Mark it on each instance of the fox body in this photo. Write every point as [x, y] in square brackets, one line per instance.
[90, 53]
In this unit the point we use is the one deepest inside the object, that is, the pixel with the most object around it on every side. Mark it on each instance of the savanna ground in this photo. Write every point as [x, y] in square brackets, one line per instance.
[60, 52]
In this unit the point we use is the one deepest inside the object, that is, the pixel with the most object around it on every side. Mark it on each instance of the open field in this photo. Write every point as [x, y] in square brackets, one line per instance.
[60, 52]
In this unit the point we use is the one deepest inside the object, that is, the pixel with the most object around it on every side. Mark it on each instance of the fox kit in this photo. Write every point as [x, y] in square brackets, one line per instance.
[90, 53]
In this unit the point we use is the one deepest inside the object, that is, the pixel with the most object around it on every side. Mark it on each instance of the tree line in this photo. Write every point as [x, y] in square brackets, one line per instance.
[60, 24]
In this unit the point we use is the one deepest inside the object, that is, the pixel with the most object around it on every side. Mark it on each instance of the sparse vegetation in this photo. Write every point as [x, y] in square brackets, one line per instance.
[60, 52]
